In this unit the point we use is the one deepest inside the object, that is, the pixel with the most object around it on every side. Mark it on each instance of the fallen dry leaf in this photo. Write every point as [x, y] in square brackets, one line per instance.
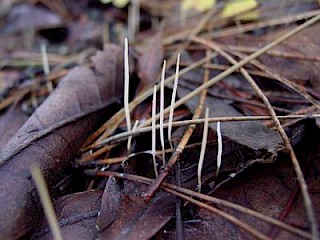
[84, 90]
[76, 214]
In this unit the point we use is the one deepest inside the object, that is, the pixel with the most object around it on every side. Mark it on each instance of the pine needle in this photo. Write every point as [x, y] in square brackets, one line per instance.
[46, 202]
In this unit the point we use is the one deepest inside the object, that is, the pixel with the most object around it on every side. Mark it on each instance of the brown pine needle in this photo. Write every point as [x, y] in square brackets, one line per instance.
[46, 202]
[295, 162]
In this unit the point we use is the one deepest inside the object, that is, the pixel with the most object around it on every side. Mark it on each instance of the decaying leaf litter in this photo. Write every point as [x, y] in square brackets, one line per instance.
[255, 69]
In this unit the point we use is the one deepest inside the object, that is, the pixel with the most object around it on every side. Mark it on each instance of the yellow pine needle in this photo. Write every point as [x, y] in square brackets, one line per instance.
[46, 202]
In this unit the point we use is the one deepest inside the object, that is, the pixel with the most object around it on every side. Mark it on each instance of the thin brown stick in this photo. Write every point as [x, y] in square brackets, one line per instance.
[295, 162]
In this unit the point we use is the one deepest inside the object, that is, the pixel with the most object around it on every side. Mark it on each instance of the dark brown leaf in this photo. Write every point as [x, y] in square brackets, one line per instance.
[251, 134]
[76, 214]
[134, 218]
[83, 90]
[109, 204]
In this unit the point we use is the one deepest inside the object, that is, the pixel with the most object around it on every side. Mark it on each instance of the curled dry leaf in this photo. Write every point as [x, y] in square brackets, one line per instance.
[118, 213]
[81, 93]
[135, 219]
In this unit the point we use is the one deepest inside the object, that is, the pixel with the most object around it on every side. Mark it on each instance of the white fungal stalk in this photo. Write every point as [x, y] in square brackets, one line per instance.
[45, 65]
[203, 148]
[133, 19]
[133, 129]
[44, 56]
[219, 155]
[162, 111]
[126, 88]
[173, 99]
[153, 130]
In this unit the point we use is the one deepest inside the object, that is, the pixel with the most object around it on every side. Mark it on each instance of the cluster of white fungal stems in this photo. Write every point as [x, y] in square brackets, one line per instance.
[170, 120]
